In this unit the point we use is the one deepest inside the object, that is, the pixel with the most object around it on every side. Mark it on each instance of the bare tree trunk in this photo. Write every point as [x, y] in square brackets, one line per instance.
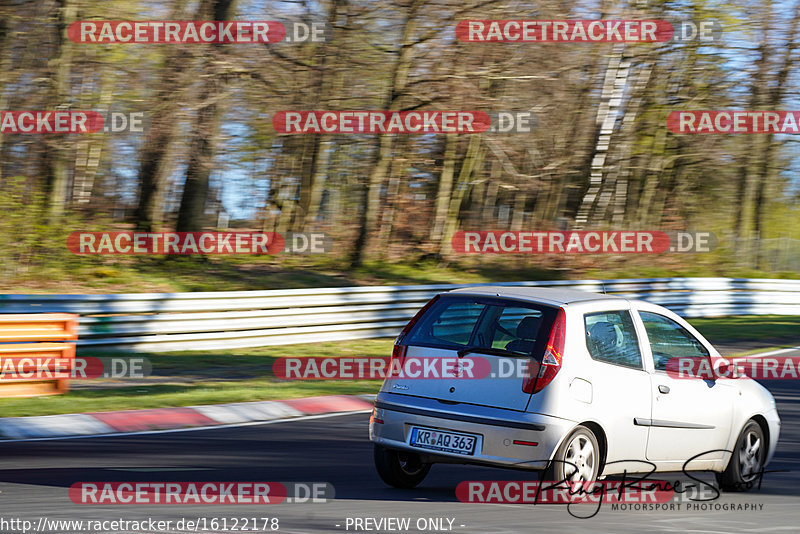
[444, 191]
[153, 162]
[397, 88]
[472, 160]
[88, 158]
[518, 211]
[620, 209]
[195, 191]
[775, 96]
[317, 183]
[5, 67]
[746, 159]
[57, 172]
[393, 199]
[651, 179]
[198, 171]
[616, 78]
[323, 146]
[490, 202]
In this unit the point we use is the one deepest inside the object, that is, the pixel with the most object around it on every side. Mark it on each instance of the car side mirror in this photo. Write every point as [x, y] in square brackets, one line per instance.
[724, 368]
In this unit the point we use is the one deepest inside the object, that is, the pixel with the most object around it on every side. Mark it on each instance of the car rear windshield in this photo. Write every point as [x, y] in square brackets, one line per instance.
[520, 328]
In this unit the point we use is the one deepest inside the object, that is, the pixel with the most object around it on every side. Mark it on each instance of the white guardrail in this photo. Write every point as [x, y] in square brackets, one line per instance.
[157, 322]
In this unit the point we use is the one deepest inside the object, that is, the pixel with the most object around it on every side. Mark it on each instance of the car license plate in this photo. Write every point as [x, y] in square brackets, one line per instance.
[438, 440]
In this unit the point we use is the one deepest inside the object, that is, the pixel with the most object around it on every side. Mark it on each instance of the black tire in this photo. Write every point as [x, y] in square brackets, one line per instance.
[580, 450]
[747, 460]
[400, 469]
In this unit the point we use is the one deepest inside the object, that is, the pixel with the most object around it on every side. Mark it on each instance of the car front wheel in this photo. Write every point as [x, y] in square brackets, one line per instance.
[747, 460]
[400, 469]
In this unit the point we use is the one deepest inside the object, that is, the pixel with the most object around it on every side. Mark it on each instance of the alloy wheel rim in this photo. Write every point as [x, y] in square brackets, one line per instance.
[580, 460]
[750, 455]
[409, 463]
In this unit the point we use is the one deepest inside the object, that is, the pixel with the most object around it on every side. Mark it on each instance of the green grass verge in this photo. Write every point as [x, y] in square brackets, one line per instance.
[193, 378]
[138, 274]
[166, 395]
[749, 328]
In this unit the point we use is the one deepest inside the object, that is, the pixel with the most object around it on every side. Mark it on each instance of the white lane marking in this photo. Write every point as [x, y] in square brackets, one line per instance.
[772, 353]
[157, 469]
[191, 429]
[754, 529]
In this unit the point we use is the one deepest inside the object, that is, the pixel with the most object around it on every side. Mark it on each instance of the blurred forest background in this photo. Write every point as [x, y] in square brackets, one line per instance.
[600, 155]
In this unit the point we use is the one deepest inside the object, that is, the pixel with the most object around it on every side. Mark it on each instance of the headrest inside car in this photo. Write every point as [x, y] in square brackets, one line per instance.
[528, 327]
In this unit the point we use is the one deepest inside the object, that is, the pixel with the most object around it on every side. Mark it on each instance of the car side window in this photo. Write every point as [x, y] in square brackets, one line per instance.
[668, 340]
[611, 338]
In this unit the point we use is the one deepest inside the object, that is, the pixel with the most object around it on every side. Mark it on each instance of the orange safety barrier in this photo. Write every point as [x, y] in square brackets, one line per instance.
[39, 366]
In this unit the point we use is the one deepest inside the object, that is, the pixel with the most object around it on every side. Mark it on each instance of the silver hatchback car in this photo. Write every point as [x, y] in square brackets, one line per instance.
[594, 396]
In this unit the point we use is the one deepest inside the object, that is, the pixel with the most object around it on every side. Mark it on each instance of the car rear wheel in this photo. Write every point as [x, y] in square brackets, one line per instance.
[576, 460]
[400, 469]
[747, 460]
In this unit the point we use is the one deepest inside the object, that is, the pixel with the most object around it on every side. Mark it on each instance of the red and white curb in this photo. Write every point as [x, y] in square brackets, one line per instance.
[99, 423]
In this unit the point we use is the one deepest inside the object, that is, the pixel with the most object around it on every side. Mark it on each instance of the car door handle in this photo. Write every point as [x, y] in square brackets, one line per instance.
[663, 389]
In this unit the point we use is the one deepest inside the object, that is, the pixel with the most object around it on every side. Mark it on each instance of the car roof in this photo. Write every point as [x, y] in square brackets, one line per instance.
[539, 294]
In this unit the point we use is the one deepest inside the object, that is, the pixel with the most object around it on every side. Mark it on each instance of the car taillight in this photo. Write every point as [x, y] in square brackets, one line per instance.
[414, 319]
[551, 361]
[399, 350]
[396, 363]
[374, 417]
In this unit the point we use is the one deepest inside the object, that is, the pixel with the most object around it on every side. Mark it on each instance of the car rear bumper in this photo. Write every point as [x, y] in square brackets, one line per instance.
[496, 430]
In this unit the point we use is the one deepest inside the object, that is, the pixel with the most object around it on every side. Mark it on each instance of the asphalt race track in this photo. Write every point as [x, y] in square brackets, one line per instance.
[35, 478]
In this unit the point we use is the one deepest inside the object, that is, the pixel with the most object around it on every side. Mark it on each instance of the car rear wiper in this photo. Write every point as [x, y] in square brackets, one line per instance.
[492, 351]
